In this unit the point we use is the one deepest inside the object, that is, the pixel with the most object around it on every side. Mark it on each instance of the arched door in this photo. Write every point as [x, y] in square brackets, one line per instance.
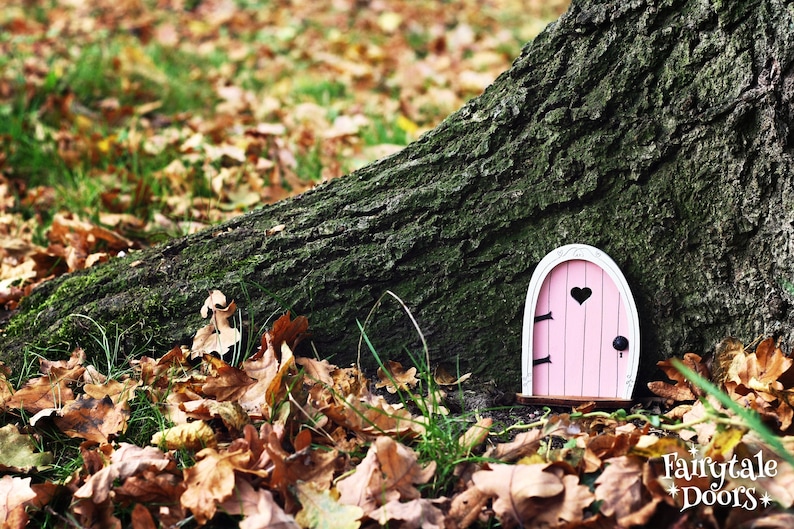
[581, 331]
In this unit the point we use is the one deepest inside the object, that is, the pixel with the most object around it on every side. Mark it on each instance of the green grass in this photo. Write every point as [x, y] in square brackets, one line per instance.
[381, 131]
[90, 74]
[119, 69]
[323, 92]
[186, 87]
[310, 165]
[135, 74]
[106, 350]
[146, 419]
[440, 440]
[31, 359]
[27, 149]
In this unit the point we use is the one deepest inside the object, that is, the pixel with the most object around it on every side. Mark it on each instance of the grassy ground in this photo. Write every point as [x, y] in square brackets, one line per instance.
[124, 123]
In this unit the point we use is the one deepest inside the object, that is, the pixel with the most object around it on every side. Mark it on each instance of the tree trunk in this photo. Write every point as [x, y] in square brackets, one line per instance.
[656, 131]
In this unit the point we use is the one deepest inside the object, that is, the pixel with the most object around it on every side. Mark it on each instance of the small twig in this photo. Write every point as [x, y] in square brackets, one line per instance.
[69, 520]
[312, 426]
[728, 421]
[410, 315]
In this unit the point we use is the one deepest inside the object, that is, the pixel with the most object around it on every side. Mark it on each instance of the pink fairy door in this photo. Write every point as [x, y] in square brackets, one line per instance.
[581, 337]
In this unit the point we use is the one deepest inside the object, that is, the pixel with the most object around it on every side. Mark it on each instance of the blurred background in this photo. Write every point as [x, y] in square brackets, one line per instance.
[127, 122]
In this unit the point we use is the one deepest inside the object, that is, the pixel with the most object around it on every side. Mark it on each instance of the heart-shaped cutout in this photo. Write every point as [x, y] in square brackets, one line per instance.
[581, 294]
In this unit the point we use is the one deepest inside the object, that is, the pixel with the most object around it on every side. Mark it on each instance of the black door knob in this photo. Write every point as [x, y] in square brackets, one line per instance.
[620, 343]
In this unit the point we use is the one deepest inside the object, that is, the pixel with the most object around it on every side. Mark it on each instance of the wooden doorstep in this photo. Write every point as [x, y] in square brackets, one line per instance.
[553, 400]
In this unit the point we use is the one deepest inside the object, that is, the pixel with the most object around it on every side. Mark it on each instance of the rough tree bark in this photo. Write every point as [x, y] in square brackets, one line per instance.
[659, 131]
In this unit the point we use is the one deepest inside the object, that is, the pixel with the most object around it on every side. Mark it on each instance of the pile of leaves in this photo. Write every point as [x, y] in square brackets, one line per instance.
[299, 442]
[127, 122]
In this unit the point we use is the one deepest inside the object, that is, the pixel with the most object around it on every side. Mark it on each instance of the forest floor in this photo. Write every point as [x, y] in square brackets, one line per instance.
[124, 123]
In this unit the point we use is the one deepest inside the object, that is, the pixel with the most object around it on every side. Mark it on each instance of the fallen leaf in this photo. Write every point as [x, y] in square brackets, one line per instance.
[18, 451]
[14, 494]
[778, 484]
[141, 518]
[158, 373]
[211, 481]
[321, 510]
[79, 240]
[40, 394]
[389, 472]
[96, 420]
[308, 464]
[394, 377]
[262, 512]
[517, 490]
[157, 489]
[285, 330]
[652, 446]
[724, 353]
[467, 507]
[443, 377]
[475, 435]
[257, 506]
[524, 444]
[277, 388]
[53, 389]
[227, 383]
[682, 390]
[128, 460]
[263, 371]
[607, 445]
[218, 336]
[371, 417]
[316, 371]
[118, 392]
[231, 413]
[194, 435]
[754, 380]
[181, 394]
[5, 385]
[723, 442]
[621, 491]
[766, 364]
[420, 512]
[571, 506]
[701, 429]
[67, 372]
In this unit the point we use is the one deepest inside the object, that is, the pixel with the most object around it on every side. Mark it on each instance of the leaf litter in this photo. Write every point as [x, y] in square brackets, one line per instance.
[174, 115]
[299, 442]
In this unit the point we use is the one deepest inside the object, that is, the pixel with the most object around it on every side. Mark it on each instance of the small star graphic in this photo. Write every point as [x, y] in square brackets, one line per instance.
[672, 490]
[766, 499]
[693, 450]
